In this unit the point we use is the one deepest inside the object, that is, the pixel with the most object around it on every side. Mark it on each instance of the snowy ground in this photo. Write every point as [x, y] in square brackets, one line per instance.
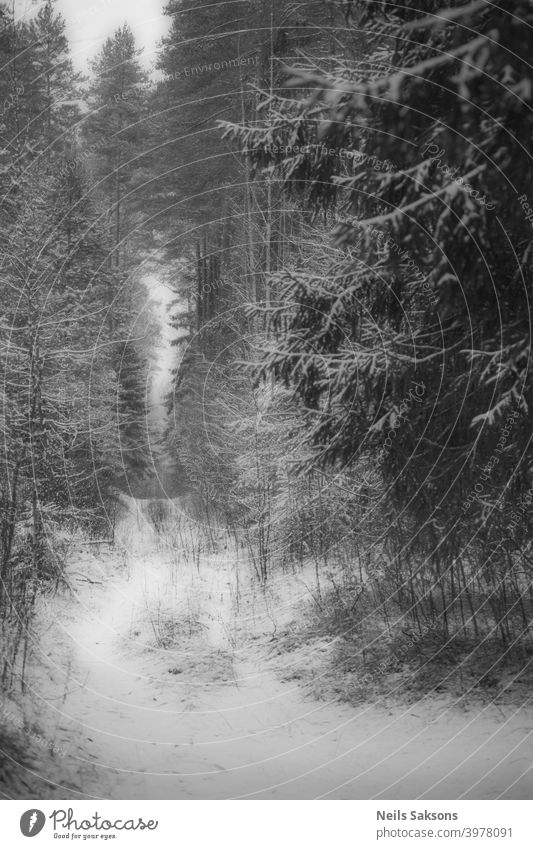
[160, 679]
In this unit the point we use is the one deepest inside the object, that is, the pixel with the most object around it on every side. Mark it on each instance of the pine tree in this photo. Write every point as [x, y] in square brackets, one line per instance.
[59, 389]
[114, 135]
[114, 142]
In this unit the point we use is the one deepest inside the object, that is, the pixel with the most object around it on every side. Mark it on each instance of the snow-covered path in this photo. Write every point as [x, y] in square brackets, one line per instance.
[161, 682]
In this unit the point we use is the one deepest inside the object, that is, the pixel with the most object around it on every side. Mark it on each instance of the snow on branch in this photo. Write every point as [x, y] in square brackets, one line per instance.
[332, 88]
[421, 201]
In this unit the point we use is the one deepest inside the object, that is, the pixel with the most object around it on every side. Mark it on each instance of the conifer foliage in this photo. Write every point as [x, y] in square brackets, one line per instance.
[114, 137]
[340, 195]
[409, 349]
[61, 452]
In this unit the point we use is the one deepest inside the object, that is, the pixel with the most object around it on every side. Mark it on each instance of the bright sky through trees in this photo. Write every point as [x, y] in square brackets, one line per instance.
[88, 24]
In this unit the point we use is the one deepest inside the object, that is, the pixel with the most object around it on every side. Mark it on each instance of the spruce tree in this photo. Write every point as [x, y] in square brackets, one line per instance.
[417, 156]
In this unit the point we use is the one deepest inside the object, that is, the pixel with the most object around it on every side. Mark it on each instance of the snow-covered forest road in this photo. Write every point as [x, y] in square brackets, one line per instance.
[161, 679]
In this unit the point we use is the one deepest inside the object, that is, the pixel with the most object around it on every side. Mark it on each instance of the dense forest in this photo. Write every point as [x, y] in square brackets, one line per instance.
[338, 196]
